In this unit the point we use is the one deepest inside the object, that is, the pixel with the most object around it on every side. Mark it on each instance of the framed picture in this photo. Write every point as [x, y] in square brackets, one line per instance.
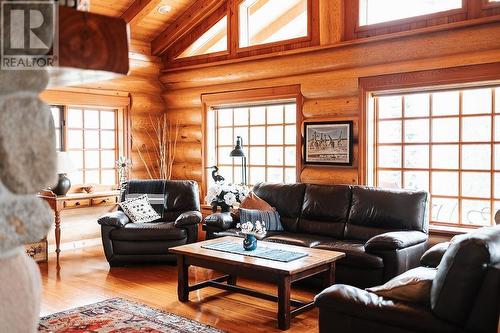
[328, 143]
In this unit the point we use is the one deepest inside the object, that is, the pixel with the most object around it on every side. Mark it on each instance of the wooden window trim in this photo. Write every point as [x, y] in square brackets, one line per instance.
[488, 5]
[180, 46]
[471, 10]
[287, 42]
[253, 96]
[117, 149]
[230, 8]
[408, 20]
[92, 98]
[447, 78]
[459, 171]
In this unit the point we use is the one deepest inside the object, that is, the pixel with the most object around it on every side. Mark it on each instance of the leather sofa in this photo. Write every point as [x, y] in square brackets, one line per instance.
[382, 232]
[133, 243]
[464, 296]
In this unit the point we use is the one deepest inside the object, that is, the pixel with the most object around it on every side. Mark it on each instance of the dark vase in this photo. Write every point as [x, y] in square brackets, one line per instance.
[63, 185]
[250, 242]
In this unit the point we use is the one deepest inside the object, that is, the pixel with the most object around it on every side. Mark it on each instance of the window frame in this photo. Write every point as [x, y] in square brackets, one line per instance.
[253, 96]
[421, 81]
[231, 9]
[116, 131]
[407, 20]
[460, 171]
[292, 41]
[63, 128]
[183, 44]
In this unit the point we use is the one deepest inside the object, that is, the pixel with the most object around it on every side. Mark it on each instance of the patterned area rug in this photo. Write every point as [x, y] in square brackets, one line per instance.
[119, 316]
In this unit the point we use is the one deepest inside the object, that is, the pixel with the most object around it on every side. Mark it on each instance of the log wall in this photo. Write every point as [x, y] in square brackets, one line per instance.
[328, 76]
[144, 90]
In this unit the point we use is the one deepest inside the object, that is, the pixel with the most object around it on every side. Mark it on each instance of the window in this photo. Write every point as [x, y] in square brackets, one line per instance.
[214, 40]
[378, 11]
[90, 136]
[444, 142]
[269, 140]
[267, 21]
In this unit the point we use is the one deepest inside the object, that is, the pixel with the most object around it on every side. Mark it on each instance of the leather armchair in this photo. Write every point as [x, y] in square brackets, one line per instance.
[177, 202]
[464, 297]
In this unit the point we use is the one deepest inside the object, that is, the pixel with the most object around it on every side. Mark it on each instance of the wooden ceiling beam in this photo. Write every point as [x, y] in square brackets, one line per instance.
[138, 10]
[195, 14]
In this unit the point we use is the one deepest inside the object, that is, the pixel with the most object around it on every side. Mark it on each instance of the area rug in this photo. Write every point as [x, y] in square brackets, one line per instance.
[117, 315]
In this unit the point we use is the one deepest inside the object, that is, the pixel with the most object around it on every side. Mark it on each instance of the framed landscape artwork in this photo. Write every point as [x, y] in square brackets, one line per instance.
[329, 143]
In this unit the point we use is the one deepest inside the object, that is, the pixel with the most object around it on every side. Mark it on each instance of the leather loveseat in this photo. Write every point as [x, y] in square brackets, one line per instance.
[382, 232]
[178, 204]
[464, 295]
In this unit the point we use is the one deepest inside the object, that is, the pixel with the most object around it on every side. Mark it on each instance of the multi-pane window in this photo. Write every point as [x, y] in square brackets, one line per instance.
[90, 137]
[269, 142]
[444, 142]
[267, 21]
[378, 11]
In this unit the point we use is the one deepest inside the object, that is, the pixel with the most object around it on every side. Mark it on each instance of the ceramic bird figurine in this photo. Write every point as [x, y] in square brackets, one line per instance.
[215, 175]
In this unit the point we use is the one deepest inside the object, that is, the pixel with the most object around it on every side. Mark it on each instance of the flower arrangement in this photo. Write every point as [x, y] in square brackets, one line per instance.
[248, 228]
[225, 196]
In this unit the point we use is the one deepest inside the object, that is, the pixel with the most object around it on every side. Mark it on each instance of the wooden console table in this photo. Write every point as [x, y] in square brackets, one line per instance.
[75, 201]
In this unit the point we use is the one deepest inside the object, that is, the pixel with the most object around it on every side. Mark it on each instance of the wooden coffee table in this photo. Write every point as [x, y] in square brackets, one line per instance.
[233, 265]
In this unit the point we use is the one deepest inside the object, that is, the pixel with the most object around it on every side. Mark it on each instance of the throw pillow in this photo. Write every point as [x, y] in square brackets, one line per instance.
[252, 201]
[413, 286]
[139, 210]
[271, 219]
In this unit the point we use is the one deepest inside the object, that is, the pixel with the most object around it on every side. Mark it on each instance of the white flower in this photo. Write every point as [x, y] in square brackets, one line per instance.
[228, 188]
[210, 198]
[230, 199]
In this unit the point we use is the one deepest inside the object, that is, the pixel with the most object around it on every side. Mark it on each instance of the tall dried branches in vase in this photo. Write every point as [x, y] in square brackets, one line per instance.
[162, 137]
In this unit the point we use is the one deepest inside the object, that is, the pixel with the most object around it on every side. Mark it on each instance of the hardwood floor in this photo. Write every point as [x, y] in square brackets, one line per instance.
[85, 277]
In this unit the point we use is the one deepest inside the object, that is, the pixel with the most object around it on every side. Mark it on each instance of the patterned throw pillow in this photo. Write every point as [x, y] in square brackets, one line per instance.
[271, 219]
[139, 210]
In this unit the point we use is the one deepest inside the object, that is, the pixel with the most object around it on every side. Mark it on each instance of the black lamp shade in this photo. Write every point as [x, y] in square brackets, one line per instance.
[238, 149]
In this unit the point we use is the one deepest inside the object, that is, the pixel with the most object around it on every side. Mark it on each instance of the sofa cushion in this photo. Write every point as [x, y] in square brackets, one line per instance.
[270, 219]
[286, 198]
[148, 232]
[325, 210]
[305, 240]
[413, 286]
[375, 211]
[461, 272]
[355, 253]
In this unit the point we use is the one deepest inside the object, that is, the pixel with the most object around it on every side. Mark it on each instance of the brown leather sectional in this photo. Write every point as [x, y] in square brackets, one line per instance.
[382, 232]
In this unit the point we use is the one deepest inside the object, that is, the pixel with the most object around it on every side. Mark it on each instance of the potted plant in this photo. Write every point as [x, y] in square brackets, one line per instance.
[251, 232]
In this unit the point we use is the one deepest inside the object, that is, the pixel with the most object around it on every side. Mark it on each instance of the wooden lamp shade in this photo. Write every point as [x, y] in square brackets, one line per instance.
[91, 48]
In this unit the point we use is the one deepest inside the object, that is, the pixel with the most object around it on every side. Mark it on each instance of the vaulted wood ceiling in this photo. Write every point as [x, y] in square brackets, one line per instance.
[145, 21]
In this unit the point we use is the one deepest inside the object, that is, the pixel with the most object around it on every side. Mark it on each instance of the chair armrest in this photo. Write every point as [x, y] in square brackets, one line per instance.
[114, 219]
[223, 221]
[188, 218]
[432, 257]
[395, 240]
[366, 306]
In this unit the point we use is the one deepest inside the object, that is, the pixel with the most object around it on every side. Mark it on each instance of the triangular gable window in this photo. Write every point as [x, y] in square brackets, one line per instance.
[212, 41]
